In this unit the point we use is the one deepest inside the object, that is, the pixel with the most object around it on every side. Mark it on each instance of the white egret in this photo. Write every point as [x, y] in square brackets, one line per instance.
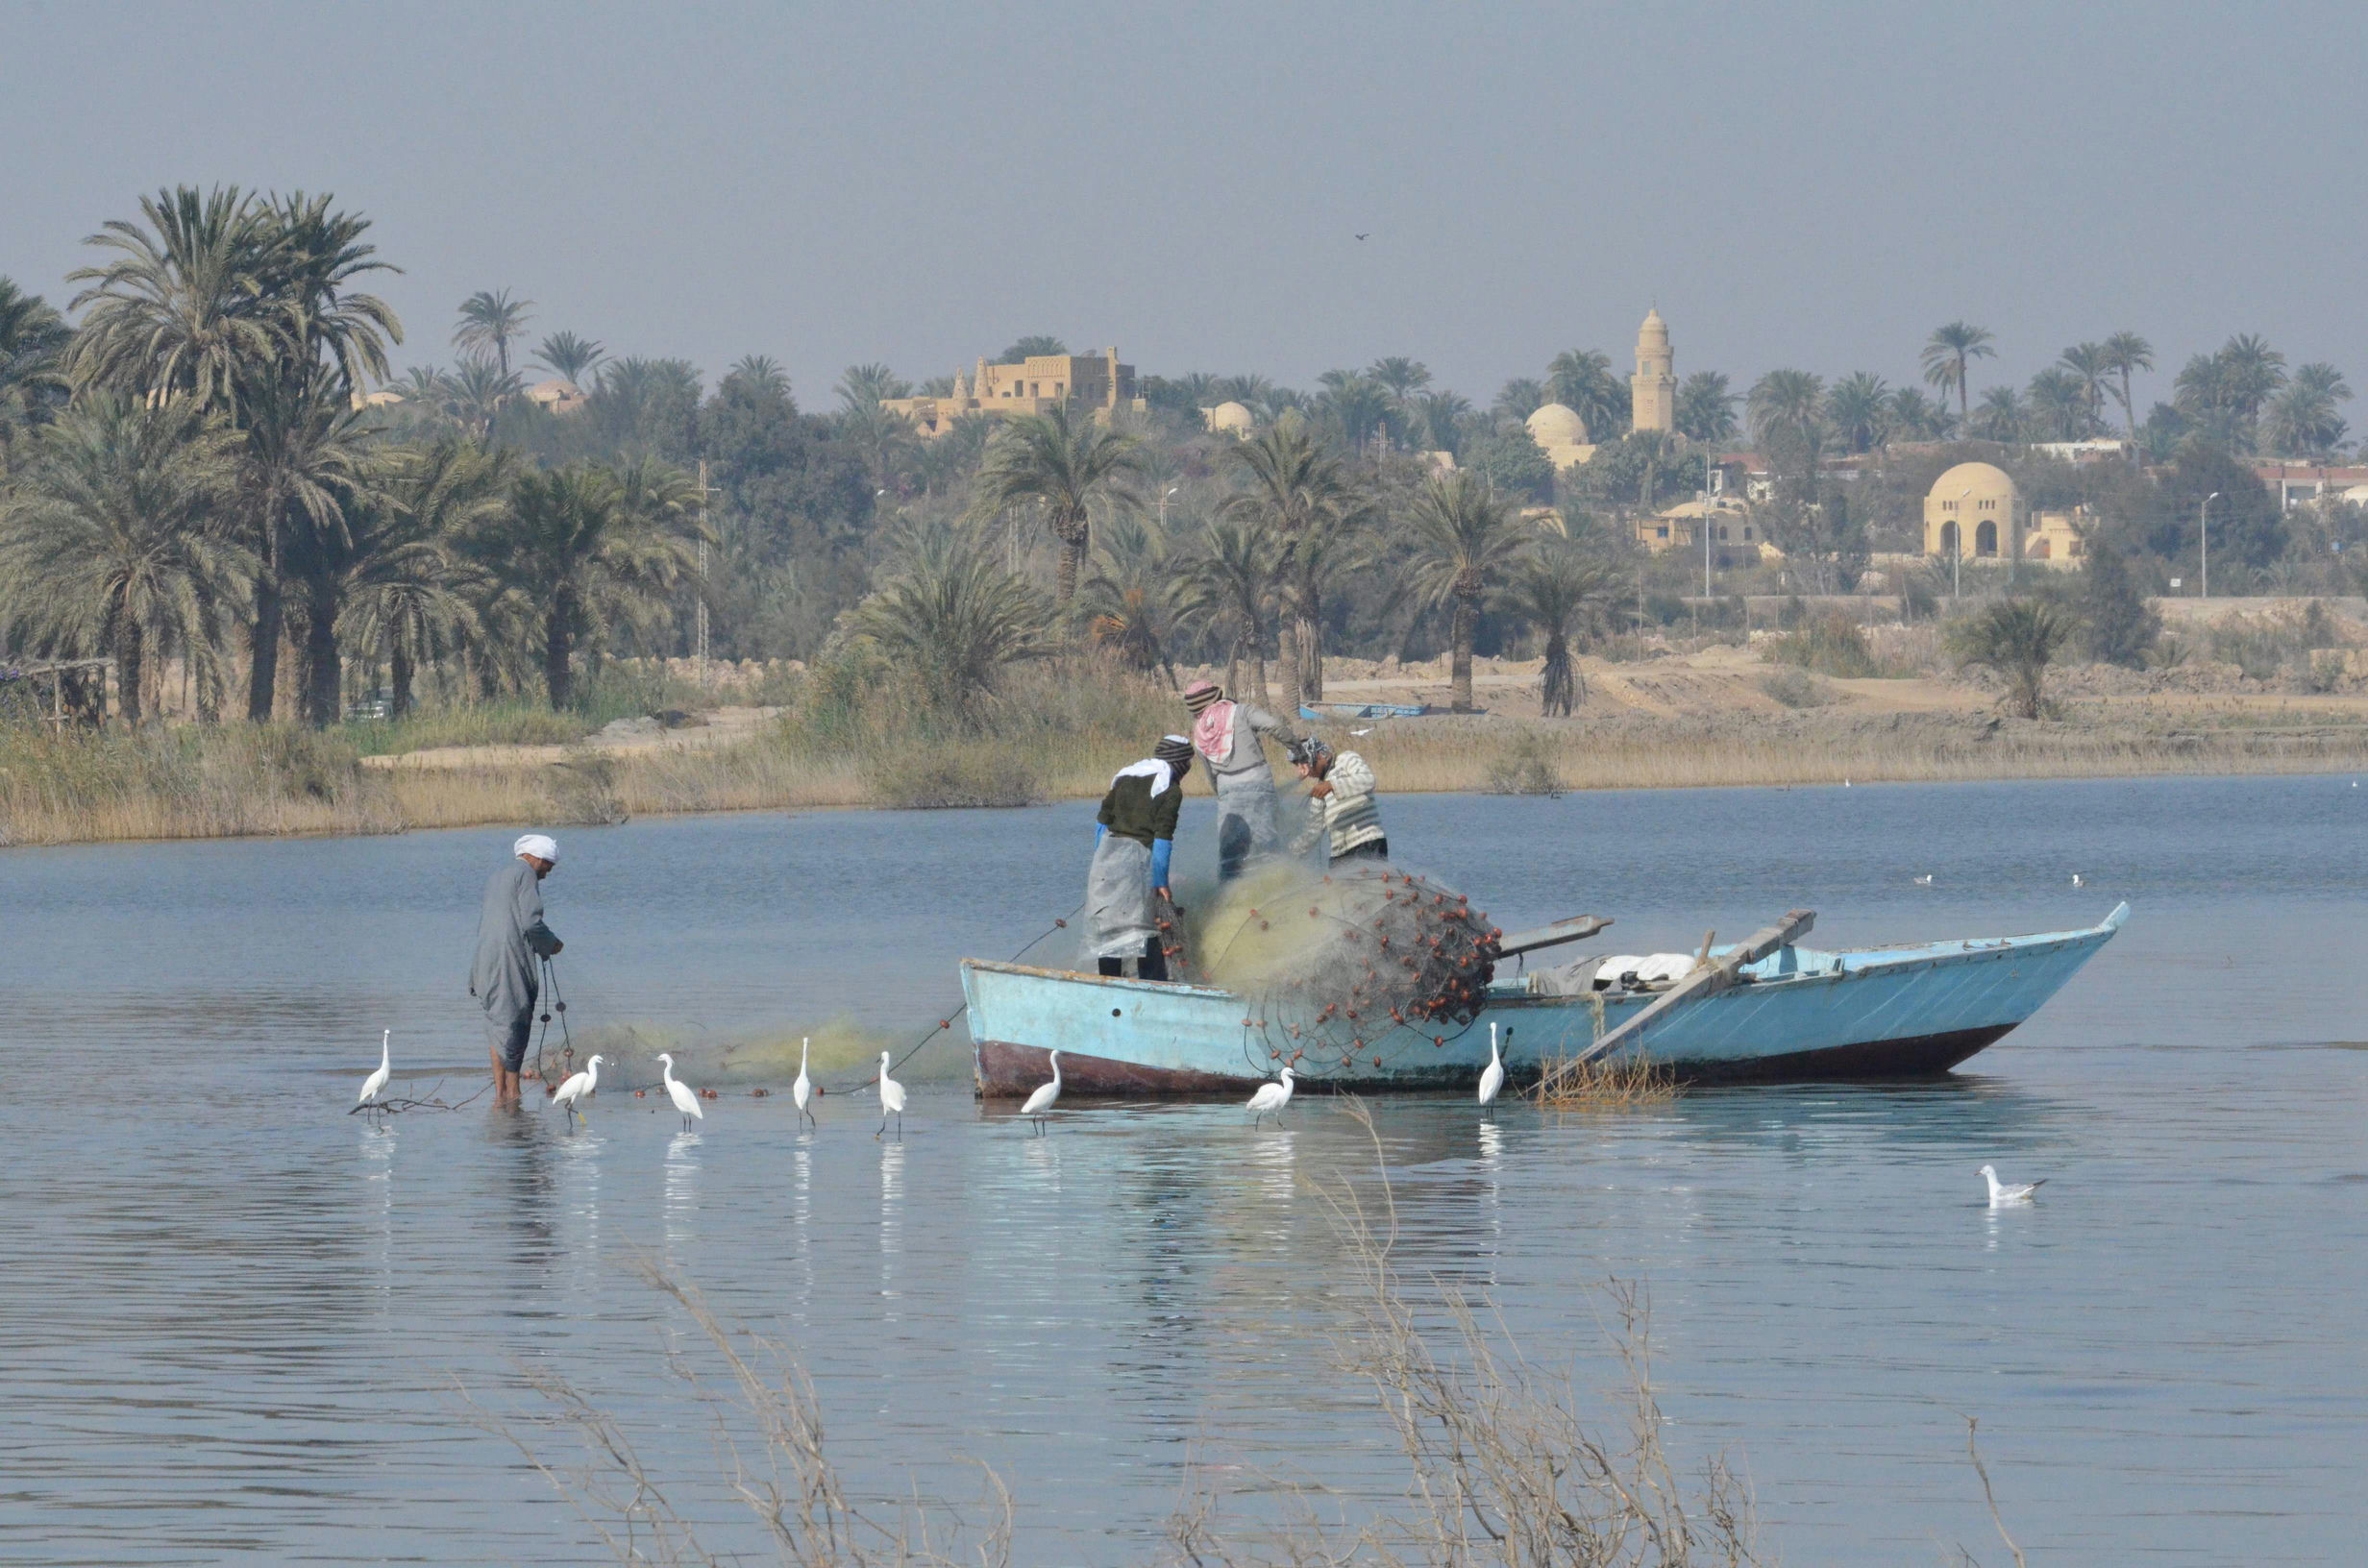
[2001, 1195]
[1271, 1097]
[685, 1098]
[377, 1081]
[1045, 1096]
[802, 1089]
[577, 1086]
[2076, 880]
[890, 1099]
[1493, 1076]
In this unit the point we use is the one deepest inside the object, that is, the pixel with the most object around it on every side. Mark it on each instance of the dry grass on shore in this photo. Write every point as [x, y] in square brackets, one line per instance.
[852, 739]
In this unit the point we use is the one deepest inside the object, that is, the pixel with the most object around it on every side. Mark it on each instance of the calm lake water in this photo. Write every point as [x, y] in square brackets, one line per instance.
[234, 1320]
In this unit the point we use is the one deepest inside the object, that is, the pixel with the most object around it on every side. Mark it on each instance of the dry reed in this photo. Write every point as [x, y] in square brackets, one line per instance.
[1621, 1084]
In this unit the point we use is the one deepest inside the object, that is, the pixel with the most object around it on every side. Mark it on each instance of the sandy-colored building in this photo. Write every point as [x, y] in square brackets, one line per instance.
[1974, 508]
[1735, 540]
[1035, 386]
[1652, 391]
[1561, 434]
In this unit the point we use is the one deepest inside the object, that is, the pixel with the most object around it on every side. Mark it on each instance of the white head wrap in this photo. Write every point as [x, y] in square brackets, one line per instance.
[540, 846]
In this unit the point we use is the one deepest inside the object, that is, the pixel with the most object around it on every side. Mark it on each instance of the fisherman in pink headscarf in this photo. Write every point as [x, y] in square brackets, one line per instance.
[1227, 735]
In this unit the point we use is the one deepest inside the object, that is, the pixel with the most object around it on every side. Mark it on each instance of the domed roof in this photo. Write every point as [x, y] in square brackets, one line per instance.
[1232, 417]
[1556, 425]
[1980, 478]
[1653, 326]
[557, 389]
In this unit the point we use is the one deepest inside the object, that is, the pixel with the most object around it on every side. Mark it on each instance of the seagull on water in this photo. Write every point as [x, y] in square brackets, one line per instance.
[377, 1081]
[1271, 1097]
[685, 1098]
[2001, 1195]
[1046, 1095]
[1924, 881]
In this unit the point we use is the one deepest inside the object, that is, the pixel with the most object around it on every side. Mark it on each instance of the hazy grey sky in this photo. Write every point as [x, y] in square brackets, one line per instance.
[920, 185]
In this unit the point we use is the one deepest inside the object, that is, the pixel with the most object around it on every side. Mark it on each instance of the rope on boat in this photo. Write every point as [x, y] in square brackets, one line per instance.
[947, 1022]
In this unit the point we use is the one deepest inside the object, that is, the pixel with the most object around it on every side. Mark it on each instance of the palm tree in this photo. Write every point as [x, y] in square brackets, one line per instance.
[1464, 538]
[2018, 638]
[586, 556]
[1357, 404]
[1556, 590]
[1948, 351]
[569, 358]
[2251, 374]
[490, 322]
[1232, 578]
[865, 387]
[2002, 417]
[2302, 420]
[1066, 462]
[1705, 407]
[1298, 493]
[1035, 345]
[1915, 417]
[761, 372]
[1582, 381]
[1859, 409]
[2127, 353]
[1519, 397]
[1786, 410]
[1441, 417]
[2093, 363]
[953, 618]
[1403, 377]
[411, 593]
[1134, 599]
[182, 308]
[2060, 405]
[304, 462]
[315, 255]
[118, 537]
[886, 442]
[33, 341]
[476, 393]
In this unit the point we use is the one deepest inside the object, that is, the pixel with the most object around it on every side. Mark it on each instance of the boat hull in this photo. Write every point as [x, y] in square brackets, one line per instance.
[1799, 1016]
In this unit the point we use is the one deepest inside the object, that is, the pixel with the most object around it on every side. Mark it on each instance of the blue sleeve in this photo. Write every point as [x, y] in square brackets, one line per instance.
[1161, 850]
[1098, 831]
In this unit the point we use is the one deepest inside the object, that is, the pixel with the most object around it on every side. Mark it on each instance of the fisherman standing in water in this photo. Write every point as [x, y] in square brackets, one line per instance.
[510, 936]
[1226, 734]
[1133, 838]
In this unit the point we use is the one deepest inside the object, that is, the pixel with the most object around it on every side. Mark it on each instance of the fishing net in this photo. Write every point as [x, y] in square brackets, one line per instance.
[1364, 962]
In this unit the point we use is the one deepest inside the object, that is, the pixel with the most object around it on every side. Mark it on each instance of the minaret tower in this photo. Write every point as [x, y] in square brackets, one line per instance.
[1652, 391]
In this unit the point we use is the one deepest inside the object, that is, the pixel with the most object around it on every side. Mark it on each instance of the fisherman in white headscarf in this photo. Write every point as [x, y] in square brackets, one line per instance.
[510, 936]
[1133, 838]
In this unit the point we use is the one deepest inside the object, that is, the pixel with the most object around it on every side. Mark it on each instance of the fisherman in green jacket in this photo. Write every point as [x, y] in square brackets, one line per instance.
[1134, 835]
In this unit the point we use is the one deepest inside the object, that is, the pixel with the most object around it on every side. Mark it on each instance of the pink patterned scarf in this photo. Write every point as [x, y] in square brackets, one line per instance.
[1213, 731]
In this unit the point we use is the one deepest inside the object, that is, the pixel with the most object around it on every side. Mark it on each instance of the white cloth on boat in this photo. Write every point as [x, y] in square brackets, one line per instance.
[1651, 968]
[1118, 899]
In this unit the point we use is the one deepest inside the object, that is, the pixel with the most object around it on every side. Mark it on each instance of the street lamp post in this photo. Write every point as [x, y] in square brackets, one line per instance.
[2203, 525]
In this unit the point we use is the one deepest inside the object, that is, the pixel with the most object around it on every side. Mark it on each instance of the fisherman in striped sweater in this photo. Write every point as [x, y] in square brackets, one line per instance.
[1339, 803]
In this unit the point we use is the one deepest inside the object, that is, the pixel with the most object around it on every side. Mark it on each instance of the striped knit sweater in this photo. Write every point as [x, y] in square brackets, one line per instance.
[1349, 814]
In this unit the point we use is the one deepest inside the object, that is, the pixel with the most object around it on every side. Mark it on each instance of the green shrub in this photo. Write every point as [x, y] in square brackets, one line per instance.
[1796, 688]
[1831, 647]
[1525, 766]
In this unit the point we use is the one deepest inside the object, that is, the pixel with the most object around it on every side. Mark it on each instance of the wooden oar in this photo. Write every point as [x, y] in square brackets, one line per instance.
[1706, 980]
[1577, 928]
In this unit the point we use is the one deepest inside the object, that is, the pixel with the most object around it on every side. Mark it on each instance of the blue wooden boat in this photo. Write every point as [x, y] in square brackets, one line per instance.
[1763, 1010]
[1362, 710]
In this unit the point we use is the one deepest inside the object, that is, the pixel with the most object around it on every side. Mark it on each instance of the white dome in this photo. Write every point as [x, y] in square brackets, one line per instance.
[1556, 425]
[559, 389]
[1231, 419]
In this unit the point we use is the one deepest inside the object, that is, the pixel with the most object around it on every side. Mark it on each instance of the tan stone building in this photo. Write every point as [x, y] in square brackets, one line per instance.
[1561, 434]
[1036, 385]
[1652, 391]
[1735, 539]
[1974, 510]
